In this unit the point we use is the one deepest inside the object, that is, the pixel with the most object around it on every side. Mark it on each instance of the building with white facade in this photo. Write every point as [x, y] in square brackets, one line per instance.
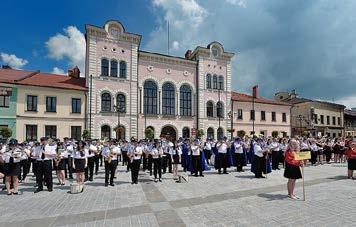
[131, 89]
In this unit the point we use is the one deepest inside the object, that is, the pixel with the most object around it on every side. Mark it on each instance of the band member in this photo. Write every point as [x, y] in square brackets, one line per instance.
[207, 150]
[237, 145]
[274, 147]
[196, 158]
[259, 160]
[89, 170]
[47, 152]
[12, 170]
[80, 161]
[351, 161]
[135, 157]
[98, 156]
[110, 154]
[68, 162]
[175, 152]
[313, 151]
[157, 153]
[167, 159]
[327, 150]
[25, 162]
[222, 147]
[60, 162]
[292, 170]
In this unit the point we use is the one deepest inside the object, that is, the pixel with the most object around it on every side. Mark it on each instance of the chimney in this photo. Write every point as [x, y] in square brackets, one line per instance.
[74, 72]
[293, 94]
[255, 91]
[187, 54]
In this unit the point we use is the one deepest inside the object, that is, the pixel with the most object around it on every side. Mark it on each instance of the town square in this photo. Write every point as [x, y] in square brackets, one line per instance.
[178, 112]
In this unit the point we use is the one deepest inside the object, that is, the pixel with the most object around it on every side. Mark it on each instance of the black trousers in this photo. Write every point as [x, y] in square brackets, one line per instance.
[96, 163]
[222, 162]
[275, 160]
[110, 169]
[101, 159]
[157, 167]
[327, 153]
[68, 166]
[167, 162]
[313, 155]
[144, 162]
[150, 163]
[125, 159]
[239, 161]
[44, 174]
[207, 154]
[196, 159]
[135, 167]
[260, 165]
[25, 167]
[89, 171]
[35, 169]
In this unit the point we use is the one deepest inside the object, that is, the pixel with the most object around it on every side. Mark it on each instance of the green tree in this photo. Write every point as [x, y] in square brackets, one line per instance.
[200, 133]
[86, 134]
[6, 132]
[241, 133]
[275, 134]
[149, 133]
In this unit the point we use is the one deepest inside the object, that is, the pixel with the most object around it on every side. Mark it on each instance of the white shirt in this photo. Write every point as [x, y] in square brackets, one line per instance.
[258, 150]
[77, 155]
[15, 154]
[303, 146]
[138, 153]
[238, 148]
[50, 151]
[195, 150]
[222, 148]
[274, 146]
[156, 153]
[207, 146]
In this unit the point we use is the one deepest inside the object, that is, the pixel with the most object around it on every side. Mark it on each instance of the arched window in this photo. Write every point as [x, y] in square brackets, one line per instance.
[150, 97]
[221, 82]
[210, 133]
[105, 102]
[122, 69]
[113, 68]
[121, 102]
[168, 99]
[105, 131]
[208, 81]
[215, 82]
[209, 109]
[185, 133]
[185, 100]
[104, 67]
[219, 109]
[220, 133]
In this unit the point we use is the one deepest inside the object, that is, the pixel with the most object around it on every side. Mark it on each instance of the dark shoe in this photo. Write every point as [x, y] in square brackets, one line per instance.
[85, 180]
[90, 179]
[202, 175]
[226, 173]
[38, 190]
[160, 180]
[132, 182]
[10, 193]
[106, 184]
[50, 189]
[262, 177]
[112, 184]
[136, 182]
[15, 193]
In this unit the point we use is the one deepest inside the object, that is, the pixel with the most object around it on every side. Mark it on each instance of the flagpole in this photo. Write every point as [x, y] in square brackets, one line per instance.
[303, 182]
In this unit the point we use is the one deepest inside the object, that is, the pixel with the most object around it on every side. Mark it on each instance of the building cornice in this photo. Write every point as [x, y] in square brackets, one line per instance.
[166, 59]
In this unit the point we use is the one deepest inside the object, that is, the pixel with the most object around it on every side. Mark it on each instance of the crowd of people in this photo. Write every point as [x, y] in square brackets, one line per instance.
[164, 155]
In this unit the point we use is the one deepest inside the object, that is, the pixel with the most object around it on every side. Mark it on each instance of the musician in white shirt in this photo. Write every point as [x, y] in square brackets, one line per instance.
[68, 145]
[222, 152]
[274, 147]
[196, 158]
[80, 161]
[157, 153]
[207, 150]
[11, 158]
[89, 171]
[135, 155]
[238, 154]
[110, 152]
[60, 163]
[259, 160]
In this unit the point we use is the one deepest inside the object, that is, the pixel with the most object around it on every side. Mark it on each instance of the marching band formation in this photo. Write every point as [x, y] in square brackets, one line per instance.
[159, 156]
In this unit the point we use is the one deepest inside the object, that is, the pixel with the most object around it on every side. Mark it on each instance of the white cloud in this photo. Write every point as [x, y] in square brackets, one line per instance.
[59, 71]
[70, 46]
[349, 101]
[175, 45]
[12, 60]
[241, 3]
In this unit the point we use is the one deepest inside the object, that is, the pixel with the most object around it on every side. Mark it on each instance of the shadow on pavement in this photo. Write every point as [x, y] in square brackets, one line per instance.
[273, 197]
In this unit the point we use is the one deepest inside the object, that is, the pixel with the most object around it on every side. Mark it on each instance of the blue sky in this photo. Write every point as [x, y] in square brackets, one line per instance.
[280, 45]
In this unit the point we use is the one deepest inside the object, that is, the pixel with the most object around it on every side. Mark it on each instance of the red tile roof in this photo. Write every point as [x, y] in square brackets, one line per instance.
[36, 78]
[248, 98]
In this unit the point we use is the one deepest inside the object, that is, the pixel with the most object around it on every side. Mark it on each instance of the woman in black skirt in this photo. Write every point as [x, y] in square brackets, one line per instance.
[80, 161]
[292, 170]
[12, 168]
[351, 159]
[175, 154]
[60, 163]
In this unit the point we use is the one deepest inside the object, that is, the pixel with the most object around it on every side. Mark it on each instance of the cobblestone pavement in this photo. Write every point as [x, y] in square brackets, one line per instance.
[236, 199]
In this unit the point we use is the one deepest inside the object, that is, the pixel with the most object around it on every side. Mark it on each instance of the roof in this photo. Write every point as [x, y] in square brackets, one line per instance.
[297, 100]
[350, 112]
[235, 96]
[37, 78]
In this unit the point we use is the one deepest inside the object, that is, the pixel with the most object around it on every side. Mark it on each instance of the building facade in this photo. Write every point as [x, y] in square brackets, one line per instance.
[131, 90]
[8, 96]
[318, 118]
[47, 105]
[260, 116]
[350, 122]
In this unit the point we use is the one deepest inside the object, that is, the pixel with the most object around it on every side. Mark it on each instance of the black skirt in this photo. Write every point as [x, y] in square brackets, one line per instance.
[292, 171]
[61, 165]
[79, 165]
[12, 169]
[176, 159]
[351, 164]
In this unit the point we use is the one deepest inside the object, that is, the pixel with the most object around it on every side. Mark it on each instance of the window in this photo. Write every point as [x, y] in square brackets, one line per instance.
[322, 119]
[208, 81]
[105, 131]
[104, 67]
[150, 97]
[328, 120]
[121, 102]
[31, 103]
[185, 100]
[315, 118]
[220, 133]
[113, 68]
[219, 110]
[51, 104]
[221, 82]
[215, 82]
[51, 131]
[123, 69]
[263, 115]
[76, 105]
[210, 133]
[239, 114]
[4, 100]
[76, 132]
[168, 99]
[106, 102]
[338, 121]
[284, 117]
[252, 115]
[186, 133]
[31, 132]
[273, 116]
[209, 109]
[334, 121]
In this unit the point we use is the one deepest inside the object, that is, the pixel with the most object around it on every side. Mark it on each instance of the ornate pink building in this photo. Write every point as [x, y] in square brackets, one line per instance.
[172, 95]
